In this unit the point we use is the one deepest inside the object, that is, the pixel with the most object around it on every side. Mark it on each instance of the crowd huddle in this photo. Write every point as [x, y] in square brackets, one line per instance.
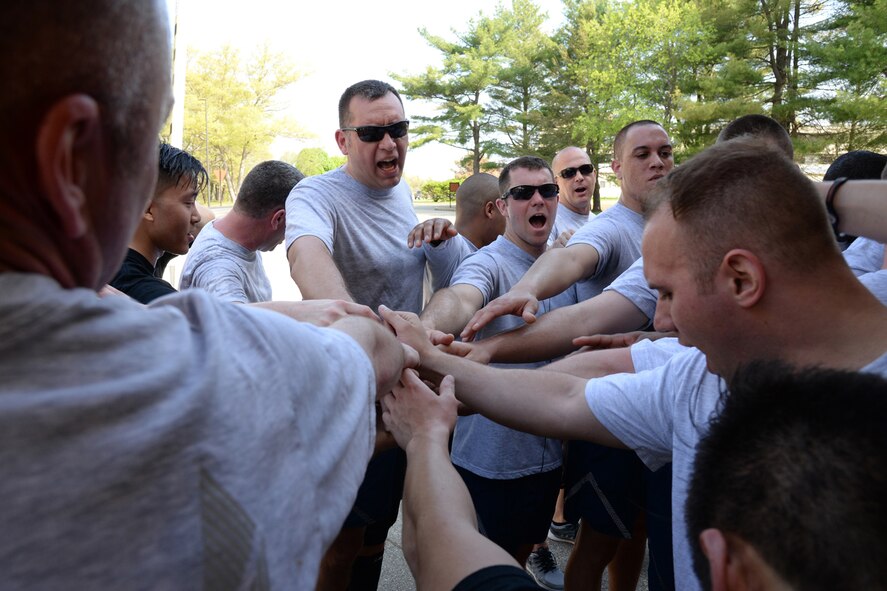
[697, 373]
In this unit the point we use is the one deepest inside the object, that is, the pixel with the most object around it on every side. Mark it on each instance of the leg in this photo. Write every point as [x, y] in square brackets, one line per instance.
[591, 555]
[625, 568]
[335, 568]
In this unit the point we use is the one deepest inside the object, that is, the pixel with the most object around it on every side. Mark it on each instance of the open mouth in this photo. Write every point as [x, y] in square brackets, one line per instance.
[538, 221]
[580, 190]
[387, 165]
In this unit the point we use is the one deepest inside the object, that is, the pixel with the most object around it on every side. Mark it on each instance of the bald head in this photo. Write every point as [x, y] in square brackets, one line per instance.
[87, 88]
[477, 217]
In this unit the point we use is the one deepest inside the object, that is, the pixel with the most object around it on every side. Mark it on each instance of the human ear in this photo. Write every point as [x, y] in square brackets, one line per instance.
[340, 141]
[745, 276]
[714, 546]
[68, 149]
[501, 206]
[489, 209]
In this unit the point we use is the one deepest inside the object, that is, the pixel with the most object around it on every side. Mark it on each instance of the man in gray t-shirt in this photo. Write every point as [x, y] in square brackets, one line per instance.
[346, 239]
[224, 259]
[512, 476]
[575, 177]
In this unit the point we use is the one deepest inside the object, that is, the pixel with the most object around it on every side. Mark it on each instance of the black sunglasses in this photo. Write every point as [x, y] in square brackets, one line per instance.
[526, 192]
[568, 173]
[375, 133]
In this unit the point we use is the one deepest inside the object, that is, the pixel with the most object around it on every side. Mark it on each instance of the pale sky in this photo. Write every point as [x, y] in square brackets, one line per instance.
[336, 44]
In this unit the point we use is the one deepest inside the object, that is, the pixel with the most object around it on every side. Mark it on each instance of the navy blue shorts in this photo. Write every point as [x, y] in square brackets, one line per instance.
[660, 572]
[378, 498]
[513, 512]
[605, 487]
[501, 577]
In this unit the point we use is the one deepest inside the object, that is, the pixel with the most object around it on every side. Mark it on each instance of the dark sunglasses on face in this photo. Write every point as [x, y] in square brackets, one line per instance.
[526, 192]
[375, 133]
[568, 173]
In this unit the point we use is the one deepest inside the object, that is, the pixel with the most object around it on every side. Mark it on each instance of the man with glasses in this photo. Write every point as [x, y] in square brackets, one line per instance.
[604, 487]
[513, 476]
[575, 177]
[346, 238]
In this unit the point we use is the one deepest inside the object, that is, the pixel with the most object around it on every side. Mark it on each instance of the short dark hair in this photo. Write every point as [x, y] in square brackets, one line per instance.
[759, 126]
[474, 192]
[178, 166]
[745, 193]
[266, 188]
[620, 135]
[370, 90]
[857, 165]
[796, 466]
[528, 162]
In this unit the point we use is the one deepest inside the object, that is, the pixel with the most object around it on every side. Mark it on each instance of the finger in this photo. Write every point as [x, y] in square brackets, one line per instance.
[411, 357]
[439, 226]
[440, 338]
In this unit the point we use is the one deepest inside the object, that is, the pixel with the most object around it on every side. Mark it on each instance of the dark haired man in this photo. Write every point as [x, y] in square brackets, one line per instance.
[177, 445]
[741, 276]
[607, 500]
[169, 224]
[513, 477]
[761, 127]
[753, 518]
[346, 239]
[224, 258]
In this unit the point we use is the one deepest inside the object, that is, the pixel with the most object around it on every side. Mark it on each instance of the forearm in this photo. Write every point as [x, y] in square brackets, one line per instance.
[549, 404]
[551, 336]
[556, 270]
[861, 207]
[447, 311]
[314, 271]
[384, 351]
[437, 506]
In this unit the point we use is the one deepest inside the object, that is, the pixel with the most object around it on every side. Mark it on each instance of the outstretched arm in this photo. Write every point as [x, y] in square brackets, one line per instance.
[436, 504]
[451, 307]
[553, 272]
[318, 312]
[388, 356]
[543, 403]
[314, 271]
[861, 208]
[552, 336]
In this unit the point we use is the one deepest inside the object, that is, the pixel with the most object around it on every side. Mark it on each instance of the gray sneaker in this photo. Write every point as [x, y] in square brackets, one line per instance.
[543, 566]
[563, 532]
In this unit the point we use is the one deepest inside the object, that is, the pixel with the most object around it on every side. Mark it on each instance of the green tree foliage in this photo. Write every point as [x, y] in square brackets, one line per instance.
[459, 89]
[437, 190]
[231, 113]
[506, 88]
[314, 161]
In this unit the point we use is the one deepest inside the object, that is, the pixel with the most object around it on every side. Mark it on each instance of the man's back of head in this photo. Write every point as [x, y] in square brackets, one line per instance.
[857, 165]
[97, 74]
[759, 126]
[266, 187]
[796, 468]
[746, 193]
[477, 217]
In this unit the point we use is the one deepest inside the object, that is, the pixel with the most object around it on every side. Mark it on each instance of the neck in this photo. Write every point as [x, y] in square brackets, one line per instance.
[240, 228]
[580, 209]
[632, 203]
[533, 250]
[834, 321]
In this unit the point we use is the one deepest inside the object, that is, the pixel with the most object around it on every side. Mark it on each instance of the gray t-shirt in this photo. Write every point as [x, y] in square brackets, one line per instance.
[480, 445]
[226, 269]
[662, 414]
[876, 283]
[366, 232]
[864, 256]
[616, 236]
[175, 446]
[632, 285]
[567, 219]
